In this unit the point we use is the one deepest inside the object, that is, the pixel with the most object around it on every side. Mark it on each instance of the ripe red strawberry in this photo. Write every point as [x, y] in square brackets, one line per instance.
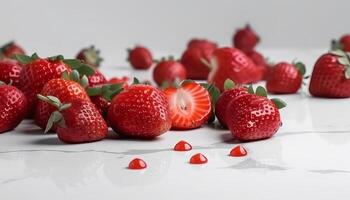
[194, 59]
[90, 56]
[140, 58]
[285, 78]
[231, 92]
[190, 105]
[65, 90]
[253, 116]
[10, 71]
[10, 49]
[202, 43]
[260, 63]
[231, 63]
[245, 39]
[169, 71]
[343, 43]
[13, 107]
[116, 80]
[140, 111]
[97, 78]
[77, 121]
[331, 76]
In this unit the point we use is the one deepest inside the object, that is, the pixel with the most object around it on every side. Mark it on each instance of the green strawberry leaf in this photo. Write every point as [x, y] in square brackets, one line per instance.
[300, 67]
[344, 61]
[72, 63]
[338, 52]
[279, 103]
[24, 59]
[84, 81]
[135, 81]
[251, 89]
[94, 91]
[347, 73]
[54, 118]
[261, 91]
[336, 45]
[86, 70]
[229, 84]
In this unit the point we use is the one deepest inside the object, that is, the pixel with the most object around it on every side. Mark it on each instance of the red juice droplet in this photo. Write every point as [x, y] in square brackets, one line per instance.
[137, 164]
[198, 159]
[238, 151]
[182, 146]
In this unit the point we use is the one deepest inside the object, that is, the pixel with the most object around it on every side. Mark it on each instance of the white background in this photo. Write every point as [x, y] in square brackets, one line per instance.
[63, 27]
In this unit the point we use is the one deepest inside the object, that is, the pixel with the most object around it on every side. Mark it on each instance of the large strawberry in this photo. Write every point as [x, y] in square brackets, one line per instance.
[140, 111]
[168, 71]
[202, 43]
[245, 39]
[140, 57]
[331, 75]
[342, 44]
[10, 71]
[90, 56]
[231, 92]
[77, 121]
[231, 63]
[10, 49]
[64, 89]
[285, 78]
[190, 105]
[13, 107]
[253, 116]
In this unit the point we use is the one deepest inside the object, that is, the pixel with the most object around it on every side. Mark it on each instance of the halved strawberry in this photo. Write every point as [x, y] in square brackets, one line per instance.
[190, 105]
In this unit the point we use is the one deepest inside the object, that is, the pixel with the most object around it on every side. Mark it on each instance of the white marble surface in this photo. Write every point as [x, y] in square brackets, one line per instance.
[307, 159]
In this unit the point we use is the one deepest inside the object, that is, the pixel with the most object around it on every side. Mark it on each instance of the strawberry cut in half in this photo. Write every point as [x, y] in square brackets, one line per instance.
[190, 105]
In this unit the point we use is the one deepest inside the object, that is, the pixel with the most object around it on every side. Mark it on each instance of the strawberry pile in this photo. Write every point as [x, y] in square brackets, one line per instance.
[74, 99]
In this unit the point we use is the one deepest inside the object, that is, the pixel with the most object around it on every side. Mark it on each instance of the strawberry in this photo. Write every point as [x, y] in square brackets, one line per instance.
[231, 63]
[285, 78]
[13, 107]
[77, 121]
[90, 56]
[116, 80]
[10, 71]
[190, 105]
[202, 43]
[253, 116]
[10, 49]
[140, 58]
[97, 78]
[231, 92]
[245, 39]
[66, 90]
[140, 111]
[260, 63]
[194, 59]
[168, 71]
[331, 75]
[342, 44]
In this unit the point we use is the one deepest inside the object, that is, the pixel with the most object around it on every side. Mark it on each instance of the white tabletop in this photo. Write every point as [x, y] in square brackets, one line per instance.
[307, 159]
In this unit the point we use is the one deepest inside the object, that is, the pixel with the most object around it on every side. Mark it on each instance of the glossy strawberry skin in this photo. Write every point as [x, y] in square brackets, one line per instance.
[284, 78]
[36, 74]
[192, 60]
[140, 111]
[169, 70]
[245, 39]
[13, 107]
[345, 42]
[202, 44]
[97, 79]
[223, 101]
[101, 104]
[260, 63]
[10, 71]
[12, 49]
[140, 58]
[83, 123]
[231, 63]
[65, 90]
[328, 80]
[251, 117]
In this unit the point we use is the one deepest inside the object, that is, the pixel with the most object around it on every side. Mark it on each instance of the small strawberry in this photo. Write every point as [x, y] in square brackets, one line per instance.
[10, 71]
[77, 121]
[331, 75]
[90, 56]
[260, 62]
[254, 116]
[140, 58]
[10, 49]
[231, 63]
[285, 78]
[202, 43]
[140, 111]
[116, 80]
[97, 78]
[231, 92]
[190, 105]
[245, 39]
[342, 44]
[168, 71]
[64, 89]
[13, 107]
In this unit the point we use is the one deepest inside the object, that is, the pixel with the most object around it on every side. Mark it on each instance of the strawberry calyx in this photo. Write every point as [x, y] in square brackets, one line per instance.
[229, 84]
[25, 59]
[92, 55]
[163, 59]
[336, 45]
[56, 117]
[75, 64]
[344, 59]
[75, 76]
[261, 91]
[107, 91]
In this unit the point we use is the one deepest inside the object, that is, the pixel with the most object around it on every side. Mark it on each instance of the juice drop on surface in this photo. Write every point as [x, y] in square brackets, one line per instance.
[198, 159]
[238, 151]
[182, 146]
[137, 164]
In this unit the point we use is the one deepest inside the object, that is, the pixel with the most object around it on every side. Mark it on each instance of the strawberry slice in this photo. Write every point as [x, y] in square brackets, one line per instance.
[190, 105]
